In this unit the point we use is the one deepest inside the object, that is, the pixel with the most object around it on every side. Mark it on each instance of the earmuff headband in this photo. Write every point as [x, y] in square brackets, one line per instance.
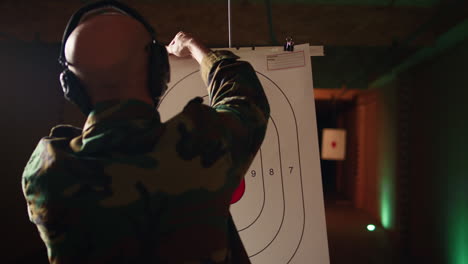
[76, 17]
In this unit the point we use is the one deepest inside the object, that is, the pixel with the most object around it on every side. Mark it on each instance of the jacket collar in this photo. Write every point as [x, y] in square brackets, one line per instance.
[126, 126]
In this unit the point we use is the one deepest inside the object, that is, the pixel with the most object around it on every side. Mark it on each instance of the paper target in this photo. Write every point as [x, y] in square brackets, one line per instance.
[278, 209]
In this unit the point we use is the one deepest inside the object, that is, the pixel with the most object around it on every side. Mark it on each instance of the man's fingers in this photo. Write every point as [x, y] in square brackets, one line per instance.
[169, 51]
[180, 45]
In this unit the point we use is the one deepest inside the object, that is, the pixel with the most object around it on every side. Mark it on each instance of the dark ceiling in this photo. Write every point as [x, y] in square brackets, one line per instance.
[258, 22]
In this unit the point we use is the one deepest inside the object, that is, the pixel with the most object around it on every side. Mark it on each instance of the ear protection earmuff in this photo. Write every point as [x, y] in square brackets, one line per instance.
[158, 62]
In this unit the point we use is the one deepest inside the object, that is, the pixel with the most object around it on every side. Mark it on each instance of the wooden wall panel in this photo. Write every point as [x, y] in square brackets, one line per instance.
[366, 179]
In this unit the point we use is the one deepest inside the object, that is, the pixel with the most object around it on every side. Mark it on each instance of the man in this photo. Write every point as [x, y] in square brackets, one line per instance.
[128, 188]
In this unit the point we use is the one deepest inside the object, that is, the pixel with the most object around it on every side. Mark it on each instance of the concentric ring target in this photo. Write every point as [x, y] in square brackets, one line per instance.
[272, 208]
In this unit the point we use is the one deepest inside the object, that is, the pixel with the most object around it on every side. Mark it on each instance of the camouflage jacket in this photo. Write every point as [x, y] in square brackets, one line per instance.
[130, 189]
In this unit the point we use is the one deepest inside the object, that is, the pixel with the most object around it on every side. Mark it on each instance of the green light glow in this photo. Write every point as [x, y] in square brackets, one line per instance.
[387, 158]
[460, 254]
[386, 203]
[447, 177]
[457, 220]
[387, 196]
[371, 227]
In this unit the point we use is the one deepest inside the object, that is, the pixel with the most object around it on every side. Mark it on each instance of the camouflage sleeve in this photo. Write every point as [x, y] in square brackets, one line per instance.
[69, 215]
[237, 94]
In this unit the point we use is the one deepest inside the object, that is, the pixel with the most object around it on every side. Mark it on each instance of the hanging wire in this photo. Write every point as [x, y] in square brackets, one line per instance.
[229, 23]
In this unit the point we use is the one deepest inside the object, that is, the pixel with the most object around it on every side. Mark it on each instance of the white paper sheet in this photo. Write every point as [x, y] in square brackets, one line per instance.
[280, 217]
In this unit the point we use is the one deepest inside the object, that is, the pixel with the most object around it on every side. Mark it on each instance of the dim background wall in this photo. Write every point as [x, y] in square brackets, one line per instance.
[423, 157]
[439, 156]
[31, 103]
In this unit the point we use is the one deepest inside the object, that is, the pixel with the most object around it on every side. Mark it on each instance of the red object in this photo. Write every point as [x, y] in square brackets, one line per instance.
[238, 193]
[333, 144]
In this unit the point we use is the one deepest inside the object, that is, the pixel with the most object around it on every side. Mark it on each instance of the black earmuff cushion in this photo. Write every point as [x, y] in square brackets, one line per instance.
[158, 70]
[75, 92]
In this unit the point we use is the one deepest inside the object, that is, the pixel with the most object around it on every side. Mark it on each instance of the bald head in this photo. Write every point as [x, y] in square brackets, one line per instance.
[108, 53]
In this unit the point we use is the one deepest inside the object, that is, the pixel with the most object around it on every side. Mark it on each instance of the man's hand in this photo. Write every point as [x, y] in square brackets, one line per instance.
[184, 45]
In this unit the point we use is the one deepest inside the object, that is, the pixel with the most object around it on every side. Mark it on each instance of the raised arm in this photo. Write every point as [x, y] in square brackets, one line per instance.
[233, 88]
